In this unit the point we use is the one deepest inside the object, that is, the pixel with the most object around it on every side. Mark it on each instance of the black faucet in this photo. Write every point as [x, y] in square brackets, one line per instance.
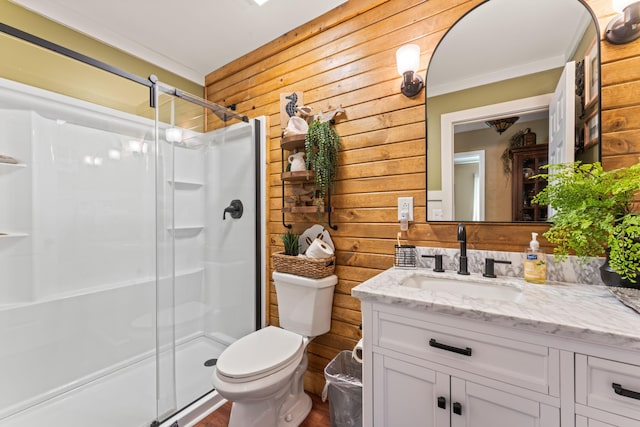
[462, 238]
[489, 270]
[438, 262]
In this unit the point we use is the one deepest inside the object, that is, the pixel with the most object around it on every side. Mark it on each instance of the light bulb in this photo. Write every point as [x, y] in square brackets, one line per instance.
[408, 58]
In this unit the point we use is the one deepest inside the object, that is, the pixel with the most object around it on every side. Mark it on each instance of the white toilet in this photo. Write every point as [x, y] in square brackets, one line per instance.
[262, 373]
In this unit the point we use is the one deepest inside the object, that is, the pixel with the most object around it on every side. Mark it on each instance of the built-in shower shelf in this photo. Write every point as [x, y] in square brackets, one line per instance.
[186, 230]
[8, 235]
[10, 166]
[189, 271]
[185, 184]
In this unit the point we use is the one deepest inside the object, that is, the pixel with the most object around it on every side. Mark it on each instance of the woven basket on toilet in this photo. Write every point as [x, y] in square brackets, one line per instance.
[319, 262]
[313, 268]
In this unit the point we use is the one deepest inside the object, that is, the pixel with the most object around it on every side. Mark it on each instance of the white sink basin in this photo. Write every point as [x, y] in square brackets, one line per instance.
[466, 288]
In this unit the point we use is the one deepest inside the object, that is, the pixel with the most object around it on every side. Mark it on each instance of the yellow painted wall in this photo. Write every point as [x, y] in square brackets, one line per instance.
[26, 63]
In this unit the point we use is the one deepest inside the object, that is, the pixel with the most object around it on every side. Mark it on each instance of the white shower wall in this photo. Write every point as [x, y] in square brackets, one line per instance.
[84, 239]
[229, 258]
[15, 209]
[77, 288]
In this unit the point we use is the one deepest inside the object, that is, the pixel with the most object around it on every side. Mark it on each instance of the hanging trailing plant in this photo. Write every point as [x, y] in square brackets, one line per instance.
[322, 144]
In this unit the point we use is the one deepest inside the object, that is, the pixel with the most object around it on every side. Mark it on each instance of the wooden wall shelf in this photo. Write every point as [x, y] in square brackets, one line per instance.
[296, 143]
[300, 176]
[304, 209]
[290, 143]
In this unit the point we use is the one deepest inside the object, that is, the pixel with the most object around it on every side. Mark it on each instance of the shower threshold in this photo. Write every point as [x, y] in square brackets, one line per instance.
[126, 398]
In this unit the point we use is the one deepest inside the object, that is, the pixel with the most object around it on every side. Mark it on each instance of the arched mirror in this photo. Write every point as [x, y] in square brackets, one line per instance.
[513, 85]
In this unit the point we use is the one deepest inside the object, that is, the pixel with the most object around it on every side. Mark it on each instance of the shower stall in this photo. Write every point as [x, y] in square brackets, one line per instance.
[125, 268]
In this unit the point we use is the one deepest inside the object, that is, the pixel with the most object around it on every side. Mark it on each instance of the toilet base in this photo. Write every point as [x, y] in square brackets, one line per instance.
[264, 413]
[298, 412]
[288, 408]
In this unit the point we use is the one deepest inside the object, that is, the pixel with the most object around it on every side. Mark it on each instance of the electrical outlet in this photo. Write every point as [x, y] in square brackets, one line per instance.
[405, 204]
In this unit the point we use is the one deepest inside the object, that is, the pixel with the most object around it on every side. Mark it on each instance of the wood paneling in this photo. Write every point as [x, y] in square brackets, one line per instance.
[347, 58]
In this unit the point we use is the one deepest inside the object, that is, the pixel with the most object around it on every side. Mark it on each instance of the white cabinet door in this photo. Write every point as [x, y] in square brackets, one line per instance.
[406, 395]
[475, 405]
[588, 422]
[612, 420]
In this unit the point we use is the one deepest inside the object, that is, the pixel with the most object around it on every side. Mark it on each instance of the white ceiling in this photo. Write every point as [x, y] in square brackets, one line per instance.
[190, 38]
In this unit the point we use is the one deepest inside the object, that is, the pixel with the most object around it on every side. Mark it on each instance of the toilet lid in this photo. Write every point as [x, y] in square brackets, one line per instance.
[260, 353]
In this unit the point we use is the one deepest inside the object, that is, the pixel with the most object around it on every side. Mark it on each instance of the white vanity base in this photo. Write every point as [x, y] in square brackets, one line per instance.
[488, 375]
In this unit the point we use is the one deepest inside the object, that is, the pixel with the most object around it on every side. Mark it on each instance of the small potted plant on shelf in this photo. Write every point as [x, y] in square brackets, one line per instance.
[593, 216]
[322, 144]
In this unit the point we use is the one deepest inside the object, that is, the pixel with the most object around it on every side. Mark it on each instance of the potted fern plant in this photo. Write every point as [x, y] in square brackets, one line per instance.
[322, 144]
[593, 216]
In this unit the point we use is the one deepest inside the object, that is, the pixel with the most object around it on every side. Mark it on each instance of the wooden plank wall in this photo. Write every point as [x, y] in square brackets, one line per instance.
[347, 57]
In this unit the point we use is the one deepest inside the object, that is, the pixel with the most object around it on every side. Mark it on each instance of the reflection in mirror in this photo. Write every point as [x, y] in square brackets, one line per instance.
[497, 62]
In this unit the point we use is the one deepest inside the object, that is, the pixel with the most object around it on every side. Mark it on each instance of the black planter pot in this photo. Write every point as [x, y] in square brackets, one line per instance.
[611, 278]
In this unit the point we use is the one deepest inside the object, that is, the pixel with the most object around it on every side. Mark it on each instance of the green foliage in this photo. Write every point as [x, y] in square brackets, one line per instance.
[322, 144]
[592, 212]
[290, 242]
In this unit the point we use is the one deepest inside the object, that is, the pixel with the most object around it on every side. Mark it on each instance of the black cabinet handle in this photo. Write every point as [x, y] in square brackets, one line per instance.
[442, 402]
[624, 392]
[457, 408]
[465, 351]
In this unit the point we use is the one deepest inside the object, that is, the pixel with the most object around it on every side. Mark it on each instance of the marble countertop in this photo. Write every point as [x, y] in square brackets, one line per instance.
[585, 312]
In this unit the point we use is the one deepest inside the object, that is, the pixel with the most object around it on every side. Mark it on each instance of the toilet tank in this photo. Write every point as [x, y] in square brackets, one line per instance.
[304, 305]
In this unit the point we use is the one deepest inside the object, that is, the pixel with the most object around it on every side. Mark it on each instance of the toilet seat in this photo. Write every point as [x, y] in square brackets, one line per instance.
[259, 354]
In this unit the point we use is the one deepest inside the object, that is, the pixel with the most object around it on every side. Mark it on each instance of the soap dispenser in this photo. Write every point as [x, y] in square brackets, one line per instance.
[535, 264]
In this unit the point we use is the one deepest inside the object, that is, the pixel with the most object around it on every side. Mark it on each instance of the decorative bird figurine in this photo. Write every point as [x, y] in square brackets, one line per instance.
[329, 115]
[290, 108]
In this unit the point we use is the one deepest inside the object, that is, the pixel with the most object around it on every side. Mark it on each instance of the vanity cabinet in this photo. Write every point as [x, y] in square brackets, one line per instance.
[563, 354]
[526, 163]
[414, 395]
[296, 201]
[607, 392]
[427, 371]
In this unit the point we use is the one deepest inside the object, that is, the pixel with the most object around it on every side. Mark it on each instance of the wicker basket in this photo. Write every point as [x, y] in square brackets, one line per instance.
[301, 266]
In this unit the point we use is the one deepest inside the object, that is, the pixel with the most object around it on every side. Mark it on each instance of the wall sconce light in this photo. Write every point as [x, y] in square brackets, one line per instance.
[408, 61]
[624, 27]
[500, 125]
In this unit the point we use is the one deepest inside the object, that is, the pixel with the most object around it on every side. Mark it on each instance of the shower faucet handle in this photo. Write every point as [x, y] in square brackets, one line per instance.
[235, 209]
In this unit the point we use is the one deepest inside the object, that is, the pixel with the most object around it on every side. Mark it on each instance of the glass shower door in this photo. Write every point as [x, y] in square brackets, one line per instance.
[207, 259]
